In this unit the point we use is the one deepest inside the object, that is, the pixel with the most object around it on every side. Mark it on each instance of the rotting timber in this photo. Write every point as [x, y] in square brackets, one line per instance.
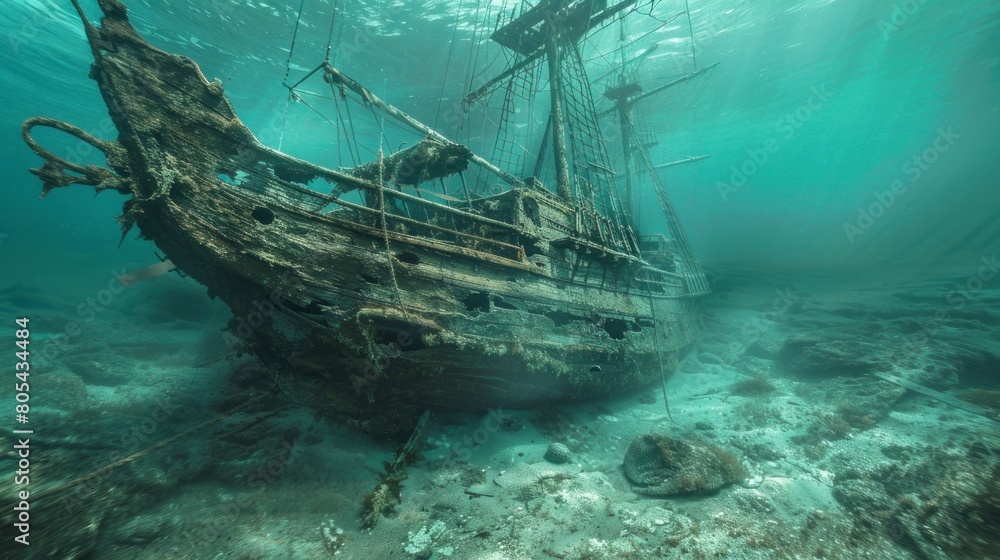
[382, 308]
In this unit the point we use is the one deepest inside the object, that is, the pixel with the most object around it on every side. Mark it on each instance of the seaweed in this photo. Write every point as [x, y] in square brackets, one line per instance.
[384, 498]
[754, 386]
[732, 466]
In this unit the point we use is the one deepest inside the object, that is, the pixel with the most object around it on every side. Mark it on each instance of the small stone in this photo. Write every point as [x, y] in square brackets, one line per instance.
[557, 453]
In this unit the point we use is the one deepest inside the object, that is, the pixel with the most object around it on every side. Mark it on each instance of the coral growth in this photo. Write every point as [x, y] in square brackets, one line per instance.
[427, 542]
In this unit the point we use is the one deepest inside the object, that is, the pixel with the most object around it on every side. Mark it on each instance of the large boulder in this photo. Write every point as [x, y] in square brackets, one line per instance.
[813, 356]
[658, 465]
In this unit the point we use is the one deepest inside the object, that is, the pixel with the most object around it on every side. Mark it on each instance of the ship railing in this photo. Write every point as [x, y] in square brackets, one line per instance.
[658, 281]
[440, 222]
[493, 236]
[402, 224]
[553, 224]
[645, 281]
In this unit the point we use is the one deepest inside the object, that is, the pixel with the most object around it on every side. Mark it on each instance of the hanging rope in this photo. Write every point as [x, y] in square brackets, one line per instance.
[636, 40]
[333, 21]
[385, 229]
[349, 137]
[291, 50]
[350, 123]
[691, 31]
[659, 355]
[288, 70]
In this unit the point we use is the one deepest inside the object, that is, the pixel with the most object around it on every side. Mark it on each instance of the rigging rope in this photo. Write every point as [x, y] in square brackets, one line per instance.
[288, 70]
[637, 39]
[291, 50]
[60, 488]
[447, 68]
[350, 122]
[340, 34]
[691, 30]
[352, 140]
[333, 21]
[659, 355]
[339, 129]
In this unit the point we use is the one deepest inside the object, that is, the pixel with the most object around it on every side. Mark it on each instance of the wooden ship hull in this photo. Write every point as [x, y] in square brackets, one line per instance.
[377, 309]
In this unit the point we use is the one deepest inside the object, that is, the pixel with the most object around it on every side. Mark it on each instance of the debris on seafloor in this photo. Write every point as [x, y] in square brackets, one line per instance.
[948, 399]
[386, 495]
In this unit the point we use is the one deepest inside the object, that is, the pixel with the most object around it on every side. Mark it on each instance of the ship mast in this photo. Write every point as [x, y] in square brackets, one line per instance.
[553, 29]
[625, 96]
[557, 113]
[619, 95]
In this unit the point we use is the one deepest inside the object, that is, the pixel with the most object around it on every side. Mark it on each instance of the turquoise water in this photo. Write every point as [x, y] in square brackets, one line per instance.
[853, 168]
[891, 91]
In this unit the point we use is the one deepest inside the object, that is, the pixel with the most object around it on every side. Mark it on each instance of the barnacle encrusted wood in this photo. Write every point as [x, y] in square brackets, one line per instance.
[430, 159]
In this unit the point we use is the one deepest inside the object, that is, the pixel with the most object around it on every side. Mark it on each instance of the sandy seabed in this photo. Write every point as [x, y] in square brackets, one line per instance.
[789, 376]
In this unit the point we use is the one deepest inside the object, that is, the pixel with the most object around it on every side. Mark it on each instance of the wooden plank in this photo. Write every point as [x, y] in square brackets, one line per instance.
[948, 399]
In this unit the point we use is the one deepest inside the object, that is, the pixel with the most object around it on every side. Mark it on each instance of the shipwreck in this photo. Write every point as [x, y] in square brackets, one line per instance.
[371, 298]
